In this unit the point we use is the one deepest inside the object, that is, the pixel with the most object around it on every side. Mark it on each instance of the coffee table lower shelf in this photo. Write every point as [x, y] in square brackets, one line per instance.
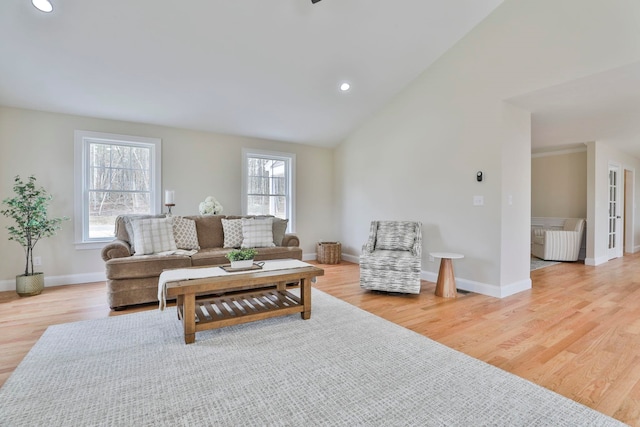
[242, 308]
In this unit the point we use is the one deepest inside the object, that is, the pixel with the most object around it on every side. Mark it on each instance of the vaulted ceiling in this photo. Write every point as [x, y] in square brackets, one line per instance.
[270, 68]
[262, 68]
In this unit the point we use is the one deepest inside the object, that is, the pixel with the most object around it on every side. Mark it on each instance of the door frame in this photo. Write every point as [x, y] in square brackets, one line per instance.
[629, 209]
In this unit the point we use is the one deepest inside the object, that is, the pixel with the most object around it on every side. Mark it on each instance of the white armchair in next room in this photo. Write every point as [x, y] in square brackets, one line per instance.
[559, 245]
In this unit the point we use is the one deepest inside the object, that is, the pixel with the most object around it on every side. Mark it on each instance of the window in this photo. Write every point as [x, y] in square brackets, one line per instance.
[114, 174]
[268, 184]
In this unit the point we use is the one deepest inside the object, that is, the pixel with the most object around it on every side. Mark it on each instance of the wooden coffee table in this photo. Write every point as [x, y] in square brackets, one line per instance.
[200, 314]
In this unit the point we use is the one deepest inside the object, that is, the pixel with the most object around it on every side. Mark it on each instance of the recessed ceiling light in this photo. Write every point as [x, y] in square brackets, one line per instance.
[43, 5]
[345, 86]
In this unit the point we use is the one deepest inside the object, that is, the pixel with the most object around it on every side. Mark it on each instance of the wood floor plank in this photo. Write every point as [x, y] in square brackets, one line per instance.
[577, 331]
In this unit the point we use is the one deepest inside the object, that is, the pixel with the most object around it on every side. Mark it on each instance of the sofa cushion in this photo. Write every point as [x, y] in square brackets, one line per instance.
[279, 229]
[216, 256]
[153, 235]
[257, 233]
[395, 236]
[209, 228]
[124, 228]
[232, 230]
[184, 233]
[136, 267]
[210, 256]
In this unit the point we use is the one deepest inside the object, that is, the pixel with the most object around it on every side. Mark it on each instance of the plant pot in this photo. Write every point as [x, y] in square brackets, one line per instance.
[245, 263]
[27, 286]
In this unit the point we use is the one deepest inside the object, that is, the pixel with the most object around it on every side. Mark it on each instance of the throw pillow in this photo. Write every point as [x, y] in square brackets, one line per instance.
[128, 226]
[232, 232]
[395, 236]
[279, 228]
[153, 236]
[257, 233]
[184, 233]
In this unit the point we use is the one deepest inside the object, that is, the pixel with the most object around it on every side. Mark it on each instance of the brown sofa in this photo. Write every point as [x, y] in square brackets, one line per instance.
[133, 279]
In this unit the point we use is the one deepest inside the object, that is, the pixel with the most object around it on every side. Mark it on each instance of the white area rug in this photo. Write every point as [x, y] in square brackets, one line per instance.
[343, 367]
[537, 263]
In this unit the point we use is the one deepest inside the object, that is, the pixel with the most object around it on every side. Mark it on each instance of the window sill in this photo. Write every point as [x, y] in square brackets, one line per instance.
[82, 246]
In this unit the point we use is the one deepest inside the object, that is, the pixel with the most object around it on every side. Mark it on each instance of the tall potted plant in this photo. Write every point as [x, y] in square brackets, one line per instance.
[28, 208]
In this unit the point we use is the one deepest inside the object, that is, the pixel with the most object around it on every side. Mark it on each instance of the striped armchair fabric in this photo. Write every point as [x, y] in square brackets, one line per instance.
[391, 259]
[559, 245]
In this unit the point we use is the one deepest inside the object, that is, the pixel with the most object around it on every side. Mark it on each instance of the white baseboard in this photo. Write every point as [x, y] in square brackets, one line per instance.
[494, 290]
[309, 257]
[430, 276]
[482, 288]
[314, 256]
[595, 261]
[71, 279]
[351, 258]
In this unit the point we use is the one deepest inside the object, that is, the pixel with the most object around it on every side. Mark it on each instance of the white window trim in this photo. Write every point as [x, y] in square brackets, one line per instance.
[81, 140]
[277, 155]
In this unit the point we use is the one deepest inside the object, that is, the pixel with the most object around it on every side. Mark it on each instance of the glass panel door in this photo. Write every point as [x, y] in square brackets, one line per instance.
[614, 233]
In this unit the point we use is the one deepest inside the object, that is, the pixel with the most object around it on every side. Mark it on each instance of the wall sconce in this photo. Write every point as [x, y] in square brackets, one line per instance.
[169, 200]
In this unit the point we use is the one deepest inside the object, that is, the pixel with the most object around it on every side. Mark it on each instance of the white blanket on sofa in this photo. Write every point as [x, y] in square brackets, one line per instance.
[201, 272]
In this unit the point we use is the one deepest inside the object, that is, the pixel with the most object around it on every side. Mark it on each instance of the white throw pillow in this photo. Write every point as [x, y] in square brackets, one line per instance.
[153, 236]
[128, 226]
[257, 233]
[279, 228]
[184, 233]
[232, 231]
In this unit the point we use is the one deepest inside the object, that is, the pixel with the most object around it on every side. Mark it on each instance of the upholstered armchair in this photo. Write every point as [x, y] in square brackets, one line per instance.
[391, 259]
[559, 245]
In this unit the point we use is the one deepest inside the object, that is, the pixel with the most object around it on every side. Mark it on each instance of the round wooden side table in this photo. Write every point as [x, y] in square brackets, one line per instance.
[446, 285]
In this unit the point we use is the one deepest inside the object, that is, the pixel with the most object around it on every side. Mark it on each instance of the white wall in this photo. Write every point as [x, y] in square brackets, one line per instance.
[417, 157]
[559, 184]
[195, 165]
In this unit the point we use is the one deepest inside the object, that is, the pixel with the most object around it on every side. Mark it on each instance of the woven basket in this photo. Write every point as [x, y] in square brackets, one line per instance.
[329, 252]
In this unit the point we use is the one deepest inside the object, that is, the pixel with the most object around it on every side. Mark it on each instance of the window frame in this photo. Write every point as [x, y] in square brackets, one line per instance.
[82, 139]
[290, 164]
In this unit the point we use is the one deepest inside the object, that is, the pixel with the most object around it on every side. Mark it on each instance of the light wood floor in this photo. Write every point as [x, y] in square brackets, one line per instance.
[577, 331]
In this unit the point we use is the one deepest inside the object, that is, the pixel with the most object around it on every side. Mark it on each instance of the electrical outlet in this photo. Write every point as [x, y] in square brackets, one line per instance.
[37, 260]
[431, 258]
[478, 200]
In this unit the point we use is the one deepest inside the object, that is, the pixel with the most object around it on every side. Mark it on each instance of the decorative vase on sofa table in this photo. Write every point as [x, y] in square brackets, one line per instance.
[31, 285]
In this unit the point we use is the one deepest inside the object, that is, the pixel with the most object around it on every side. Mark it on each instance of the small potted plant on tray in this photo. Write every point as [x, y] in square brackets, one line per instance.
[241, 258]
